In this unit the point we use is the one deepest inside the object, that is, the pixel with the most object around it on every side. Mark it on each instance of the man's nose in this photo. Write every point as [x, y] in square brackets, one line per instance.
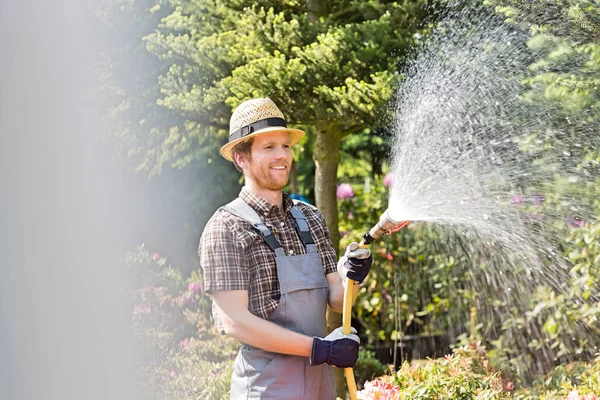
[282, 152]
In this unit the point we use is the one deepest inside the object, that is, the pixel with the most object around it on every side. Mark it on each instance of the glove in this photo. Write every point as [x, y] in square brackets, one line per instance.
[336, 349]
[355, 263]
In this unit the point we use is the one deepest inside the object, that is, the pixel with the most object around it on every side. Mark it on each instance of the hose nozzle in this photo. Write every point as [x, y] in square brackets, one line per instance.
[386, 225]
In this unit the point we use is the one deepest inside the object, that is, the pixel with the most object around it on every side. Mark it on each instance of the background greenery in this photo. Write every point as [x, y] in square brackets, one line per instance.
[181, 66]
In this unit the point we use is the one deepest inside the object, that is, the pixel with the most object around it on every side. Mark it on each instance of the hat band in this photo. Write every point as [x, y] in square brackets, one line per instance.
[256, 126]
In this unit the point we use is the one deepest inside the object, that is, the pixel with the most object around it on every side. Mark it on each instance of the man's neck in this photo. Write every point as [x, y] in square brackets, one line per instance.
[274, 197]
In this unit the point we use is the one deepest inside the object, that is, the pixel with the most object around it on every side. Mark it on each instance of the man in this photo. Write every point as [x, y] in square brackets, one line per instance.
[270, 267]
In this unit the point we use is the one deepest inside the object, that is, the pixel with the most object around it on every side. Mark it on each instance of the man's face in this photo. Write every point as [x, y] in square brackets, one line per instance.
[268, 165]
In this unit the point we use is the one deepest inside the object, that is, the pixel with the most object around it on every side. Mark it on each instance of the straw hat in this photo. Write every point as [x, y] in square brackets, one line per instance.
[254, 117]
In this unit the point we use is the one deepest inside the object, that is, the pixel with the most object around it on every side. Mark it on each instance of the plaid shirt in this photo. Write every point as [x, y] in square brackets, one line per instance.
[234, 256]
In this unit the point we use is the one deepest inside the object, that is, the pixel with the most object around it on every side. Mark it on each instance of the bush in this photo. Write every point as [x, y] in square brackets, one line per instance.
[425, 281]
[466, 374]
[180, 355]
[201, 370]
[573, 381]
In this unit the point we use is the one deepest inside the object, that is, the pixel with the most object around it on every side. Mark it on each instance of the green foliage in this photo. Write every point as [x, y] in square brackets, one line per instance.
[331, 65]
[412, 280]
[421, 283]
[564, 77]
[554, 324]
[577, 381]
[466, 374]
[179, 354]
[367, 367]
[202, 370]
[578, 20]
[338, 69]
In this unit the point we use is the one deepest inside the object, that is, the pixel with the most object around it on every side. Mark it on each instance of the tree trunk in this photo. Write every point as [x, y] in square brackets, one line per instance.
[316, 9]
[326, 155]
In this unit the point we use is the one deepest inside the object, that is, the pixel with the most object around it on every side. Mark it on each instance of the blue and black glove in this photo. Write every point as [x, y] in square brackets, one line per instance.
[355, 263]
[336, 349]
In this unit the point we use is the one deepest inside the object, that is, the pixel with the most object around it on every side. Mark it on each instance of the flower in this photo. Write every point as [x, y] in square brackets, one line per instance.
[538, 199]
[195, 287]
[574, 395]
[344, 191]
[184, 344]
[575, 222]
[508, 385]
[387, 180]
[378, 390]
[517, 199]
[155, 256]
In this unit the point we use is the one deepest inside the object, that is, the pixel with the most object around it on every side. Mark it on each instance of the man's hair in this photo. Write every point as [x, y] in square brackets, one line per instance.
[244, 148]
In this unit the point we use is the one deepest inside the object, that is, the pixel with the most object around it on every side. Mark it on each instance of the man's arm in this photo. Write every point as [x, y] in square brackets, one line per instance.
[246, 327]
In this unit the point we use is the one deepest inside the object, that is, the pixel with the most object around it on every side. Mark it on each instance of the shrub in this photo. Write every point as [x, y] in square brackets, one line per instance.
[466, 374]
[573, 381]
[180, 355]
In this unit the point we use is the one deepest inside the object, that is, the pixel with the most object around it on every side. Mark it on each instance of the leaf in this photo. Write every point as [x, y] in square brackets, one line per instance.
[550, 326]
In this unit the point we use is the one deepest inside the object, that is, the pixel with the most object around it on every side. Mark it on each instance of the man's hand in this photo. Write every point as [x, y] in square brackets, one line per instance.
[355, 263]
[336, 349]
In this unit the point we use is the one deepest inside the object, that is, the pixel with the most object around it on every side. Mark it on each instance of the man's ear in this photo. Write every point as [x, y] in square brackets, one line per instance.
[241, 160]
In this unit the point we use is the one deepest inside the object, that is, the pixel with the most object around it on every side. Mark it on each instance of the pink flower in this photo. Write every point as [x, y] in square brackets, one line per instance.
[517, 199]
[190, 300]
[155, 256]
[184, 344]
[378, 390]
[575, 222]
[573, 395]
[387, 180]
[195, 287]
[344, 191]
[538, 199]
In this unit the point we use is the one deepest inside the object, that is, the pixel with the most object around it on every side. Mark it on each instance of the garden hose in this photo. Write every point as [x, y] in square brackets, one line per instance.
[386, 225]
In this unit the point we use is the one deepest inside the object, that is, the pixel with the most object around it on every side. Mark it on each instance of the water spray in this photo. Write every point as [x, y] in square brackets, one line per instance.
[387, 224]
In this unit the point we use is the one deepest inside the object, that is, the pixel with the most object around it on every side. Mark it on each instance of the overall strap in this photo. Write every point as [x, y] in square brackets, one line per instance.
[302, 227]
[241, 209]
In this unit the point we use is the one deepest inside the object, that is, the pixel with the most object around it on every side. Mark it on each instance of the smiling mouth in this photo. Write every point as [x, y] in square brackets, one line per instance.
[279, 167]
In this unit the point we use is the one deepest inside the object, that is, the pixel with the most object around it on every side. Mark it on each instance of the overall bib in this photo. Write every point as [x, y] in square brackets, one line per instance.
[259, 374]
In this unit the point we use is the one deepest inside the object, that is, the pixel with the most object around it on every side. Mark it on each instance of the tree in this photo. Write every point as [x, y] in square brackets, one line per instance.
[329, 65]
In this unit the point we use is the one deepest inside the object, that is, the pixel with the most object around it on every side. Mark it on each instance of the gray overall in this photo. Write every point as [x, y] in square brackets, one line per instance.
[259, 374]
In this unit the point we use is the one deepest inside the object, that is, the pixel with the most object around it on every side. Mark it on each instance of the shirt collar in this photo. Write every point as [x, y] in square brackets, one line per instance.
[262, 206]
